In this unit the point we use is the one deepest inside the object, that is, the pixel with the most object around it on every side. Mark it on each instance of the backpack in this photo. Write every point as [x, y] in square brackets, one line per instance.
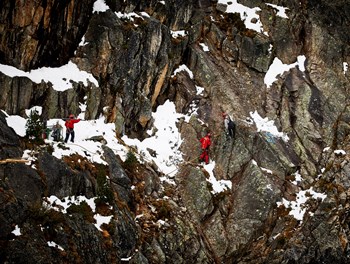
[232, 126]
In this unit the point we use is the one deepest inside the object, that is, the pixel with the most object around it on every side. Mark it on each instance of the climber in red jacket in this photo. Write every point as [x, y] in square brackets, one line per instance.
[206, 142]
[70, 128]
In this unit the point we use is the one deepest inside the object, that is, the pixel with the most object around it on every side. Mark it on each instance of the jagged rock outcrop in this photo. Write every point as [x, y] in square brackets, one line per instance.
[22, 189]
[133, 60]
[42, 34]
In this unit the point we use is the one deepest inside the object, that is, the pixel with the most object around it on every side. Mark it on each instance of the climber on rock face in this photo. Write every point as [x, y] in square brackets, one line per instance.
[205, 144]
[230, 126]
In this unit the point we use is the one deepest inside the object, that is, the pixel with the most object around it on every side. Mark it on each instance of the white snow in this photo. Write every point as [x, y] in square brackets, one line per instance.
[130, 16]
[263, 169]
[145, 14]
[28, 155]
[16, 231]
[264, 124]
[298, 207]
[38, 109]
[100, 220]
[178, 33]
[218, 185]
[326, 149]
[199, 89]
[55, 203]
[59, 77]
[83, 42]
[266, 170]
[204, 47]
[17, 123]
[100, 6]
[281, 11]
[59, 205]
[138, 217]
[340, 152]
[345, 67]
[183, 67]
[247, 14]
[129, 258]
[277, 68]
[53, 244]
[84, 130]
[298, 178]
[165, 141]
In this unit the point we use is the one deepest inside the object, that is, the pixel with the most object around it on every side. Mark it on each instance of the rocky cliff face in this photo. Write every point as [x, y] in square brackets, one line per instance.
[133, 58]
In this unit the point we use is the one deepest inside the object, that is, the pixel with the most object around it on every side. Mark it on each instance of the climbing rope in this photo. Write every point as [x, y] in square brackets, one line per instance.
[94, 153]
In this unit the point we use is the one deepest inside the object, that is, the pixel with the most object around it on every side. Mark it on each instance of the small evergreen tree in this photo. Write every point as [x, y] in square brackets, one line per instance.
[104, 191]
[34, 127]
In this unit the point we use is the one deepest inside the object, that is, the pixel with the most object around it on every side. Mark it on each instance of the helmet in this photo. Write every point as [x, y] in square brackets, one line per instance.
[71, 116]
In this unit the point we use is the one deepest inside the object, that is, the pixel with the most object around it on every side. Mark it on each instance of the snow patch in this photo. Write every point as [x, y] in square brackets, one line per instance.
[165, 140]
[55, 203]
[183, 67]
[247, 14]
[218, 185]
[264, 124]
[100, 220]
[16, 231]
[178, 33]
[100, 6]
[281, 11]
[204, 47]
[345, 67]
[277, 68]
[340, 152]
[60, 77]
[53, 244]
[17, 123]
[298, 207]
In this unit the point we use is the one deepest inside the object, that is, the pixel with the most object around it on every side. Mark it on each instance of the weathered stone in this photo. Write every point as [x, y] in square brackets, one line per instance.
[250, 209]
[9, 142]
[133, 60]
[120, 181]
[42, 34]
[196, 194]
[62, 181]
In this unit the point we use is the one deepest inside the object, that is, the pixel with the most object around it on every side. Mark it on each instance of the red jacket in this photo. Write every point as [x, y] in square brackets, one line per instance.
[205, 142]
[70, 123]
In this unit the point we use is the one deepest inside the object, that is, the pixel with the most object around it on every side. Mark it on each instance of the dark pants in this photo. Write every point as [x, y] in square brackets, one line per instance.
[231, 129]
[56, 134]
[204, 156]
[71, 133]
[231, 132]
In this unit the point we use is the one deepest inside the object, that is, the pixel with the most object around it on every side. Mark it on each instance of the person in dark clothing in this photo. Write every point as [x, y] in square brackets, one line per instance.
[56, 132]
[70, 128]
[205, 144]
[230, 126]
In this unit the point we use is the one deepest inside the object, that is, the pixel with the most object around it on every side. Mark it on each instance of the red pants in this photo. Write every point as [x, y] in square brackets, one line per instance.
[205, 156]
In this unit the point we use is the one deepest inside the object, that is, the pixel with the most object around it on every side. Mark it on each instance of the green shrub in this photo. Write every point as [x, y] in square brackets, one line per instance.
[130, 161]
[34, 127]
[84, 209]
[104, 191]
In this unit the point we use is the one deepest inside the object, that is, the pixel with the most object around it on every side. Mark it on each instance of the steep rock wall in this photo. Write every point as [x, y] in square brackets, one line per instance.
[133, 61]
